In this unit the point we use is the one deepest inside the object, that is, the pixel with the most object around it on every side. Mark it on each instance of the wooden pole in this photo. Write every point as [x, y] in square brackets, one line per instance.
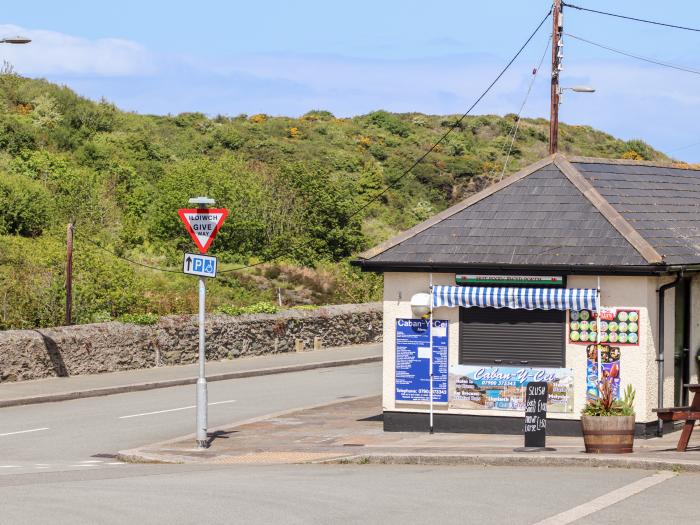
[69, 273]
[554, 102]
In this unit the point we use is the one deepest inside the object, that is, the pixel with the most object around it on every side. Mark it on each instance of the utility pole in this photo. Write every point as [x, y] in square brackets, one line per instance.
[69, 273]
[557, 54]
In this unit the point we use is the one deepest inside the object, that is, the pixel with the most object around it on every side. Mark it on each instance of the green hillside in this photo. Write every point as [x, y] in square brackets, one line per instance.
[291, 186]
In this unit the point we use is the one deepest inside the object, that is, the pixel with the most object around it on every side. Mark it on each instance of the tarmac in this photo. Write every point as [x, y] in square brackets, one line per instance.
[351, 431]
[81, 386]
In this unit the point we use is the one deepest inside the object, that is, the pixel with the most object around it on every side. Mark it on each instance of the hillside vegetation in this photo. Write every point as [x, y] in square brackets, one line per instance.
[291, 185]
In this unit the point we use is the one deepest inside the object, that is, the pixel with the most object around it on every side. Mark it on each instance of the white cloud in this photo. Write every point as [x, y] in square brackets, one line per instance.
[53, 53]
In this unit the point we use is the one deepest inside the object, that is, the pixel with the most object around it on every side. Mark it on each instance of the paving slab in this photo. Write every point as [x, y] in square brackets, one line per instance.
[74, 387]
[351, 431]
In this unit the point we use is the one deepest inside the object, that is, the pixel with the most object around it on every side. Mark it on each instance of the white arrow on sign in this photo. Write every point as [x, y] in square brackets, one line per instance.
[203, 224]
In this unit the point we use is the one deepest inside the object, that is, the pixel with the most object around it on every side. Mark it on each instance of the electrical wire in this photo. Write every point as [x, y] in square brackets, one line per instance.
[654, 22]
[638, 57]
[391, 185]
[522, 106]
[97, 245]
[420, 159]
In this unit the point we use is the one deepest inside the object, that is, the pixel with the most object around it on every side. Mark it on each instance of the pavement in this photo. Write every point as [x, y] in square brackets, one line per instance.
[81, 386]
[350, 431]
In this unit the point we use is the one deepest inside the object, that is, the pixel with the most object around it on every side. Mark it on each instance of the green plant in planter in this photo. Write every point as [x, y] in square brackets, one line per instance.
[605, 403]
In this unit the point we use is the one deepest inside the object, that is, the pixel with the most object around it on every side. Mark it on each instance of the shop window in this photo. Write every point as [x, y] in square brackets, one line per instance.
[501, 336]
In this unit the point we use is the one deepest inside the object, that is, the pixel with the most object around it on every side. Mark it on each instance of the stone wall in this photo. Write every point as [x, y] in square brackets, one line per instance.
[108, 347]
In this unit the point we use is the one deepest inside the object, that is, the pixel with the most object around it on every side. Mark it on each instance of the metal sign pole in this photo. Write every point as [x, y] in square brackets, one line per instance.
[202, 223]
[202, 441]
[430, 335]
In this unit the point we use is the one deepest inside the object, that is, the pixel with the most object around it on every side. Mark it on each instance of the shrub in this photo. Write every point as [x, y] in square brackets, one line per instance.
[25, 206]
[390, 123]
[263, 307]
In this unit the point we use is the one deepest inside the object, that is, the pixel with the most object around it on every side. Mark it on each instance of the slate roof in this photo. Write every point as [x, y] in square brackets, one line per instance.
[661, 203]
[560, 213]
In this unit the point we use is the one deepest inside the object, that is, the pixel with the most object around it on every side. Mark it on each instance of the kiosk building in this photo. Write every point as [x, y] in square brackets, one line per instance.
[569, 270]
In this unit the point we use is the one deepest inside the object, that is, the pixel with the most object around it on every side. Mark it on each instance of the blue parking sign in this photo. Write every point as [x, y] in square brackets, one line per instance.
[197, 264]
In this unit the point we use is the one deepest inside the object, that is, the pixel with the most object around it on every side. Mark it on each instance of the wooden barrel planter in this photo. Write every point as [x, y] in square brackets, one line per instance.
[608, 434]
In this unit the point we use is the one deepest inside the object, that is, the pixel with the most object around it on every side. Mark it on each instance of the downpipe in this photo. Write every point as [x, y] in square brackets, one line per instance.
[660, 359]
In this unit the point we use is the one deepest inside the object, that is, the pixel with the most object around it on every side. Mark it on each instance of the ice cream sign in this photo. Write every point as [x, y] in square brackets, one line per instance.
[616, 325]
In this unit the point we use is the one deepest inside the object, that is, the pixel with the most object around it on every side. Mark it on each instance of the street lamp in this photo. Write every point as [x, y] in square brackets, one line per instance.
[15, 40]
[576, 89]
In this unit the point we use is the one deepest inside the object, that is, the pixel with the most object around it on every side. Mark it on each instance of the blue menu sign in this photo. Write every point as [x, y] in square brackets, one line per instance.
[413, 360]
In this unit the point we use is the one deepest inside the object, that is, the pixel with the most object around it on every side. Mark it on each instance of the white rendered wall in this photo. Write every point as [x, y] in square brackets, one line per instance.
[637, 363]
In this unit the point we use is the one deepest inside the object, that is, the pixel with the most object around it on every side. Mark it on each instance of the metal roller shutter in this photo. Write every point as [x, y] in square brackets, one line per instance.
[501, 336]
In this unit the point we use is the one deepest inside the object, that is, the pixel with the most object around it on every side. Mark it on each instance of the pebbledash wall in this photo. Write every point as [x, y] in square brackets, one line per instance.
[637, 363]
[108, 347]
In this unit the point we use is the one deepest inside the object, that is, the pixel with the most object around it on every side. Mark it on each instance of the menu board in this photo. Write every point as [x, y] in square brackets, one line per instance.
[536, 414]
[503, 387]
[413, 360]
[619, 326]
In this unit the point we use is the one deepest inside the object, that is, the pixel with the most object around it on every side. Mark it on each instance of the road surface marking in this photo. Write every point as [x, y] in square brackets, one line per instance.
[9, 466]
[116, 463]
[23, 431]
[84, 465]
[607, 500]
[91, 461]
[41, 466]
[174, 409]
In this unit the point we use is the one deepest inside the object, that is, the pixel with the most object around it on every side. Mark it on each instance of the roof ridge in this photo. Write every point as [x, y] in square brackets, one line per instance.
[473, 199]
[630, 162]
[631, 235]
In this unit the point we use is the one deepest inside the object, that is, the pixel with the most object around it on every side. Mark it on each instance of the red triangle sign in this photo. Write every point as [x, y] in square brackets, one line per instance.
[203, 224]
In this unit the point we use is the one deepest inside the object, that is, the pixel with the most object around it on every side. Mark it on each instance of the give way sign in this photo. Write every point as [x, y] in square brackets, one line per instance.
[203, 224]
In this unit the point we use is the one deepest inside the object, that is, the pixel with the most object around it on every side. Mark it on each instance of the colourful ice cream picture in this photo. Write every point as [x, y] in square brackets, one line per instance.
[603, 337]
[585, 315]
[633, 327]
[633, 316]
[622, 327]
[612, 326]
[584, 336]
[603, 326]
[583, 325]
[613, 337]
[573, 315]
[575, 336]
[623, 338]
[592, 336]
[633, 338]
[622, 316]
[574, 326]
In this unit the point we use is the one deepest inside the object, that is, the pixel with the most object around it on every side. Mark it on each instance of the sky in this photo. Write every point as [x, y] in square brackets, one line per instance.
[288, 57]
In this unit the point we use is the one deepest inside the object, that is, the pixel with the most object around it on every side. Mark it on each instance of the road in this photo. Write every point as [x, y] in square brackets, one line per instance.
[49, 472]
[56, 435]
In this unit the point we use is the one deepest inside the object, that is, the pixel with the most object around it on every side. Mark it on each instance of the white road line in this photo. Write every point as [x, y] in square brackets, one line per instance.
[9, 466]
[609, 499]
[23, 431]
[174, 409]
[116, 463]
[91, 461]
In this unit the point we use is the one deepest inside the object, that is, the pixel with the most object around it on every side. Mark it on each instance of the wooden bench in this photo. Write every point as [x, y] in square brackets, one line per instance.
[689, 414]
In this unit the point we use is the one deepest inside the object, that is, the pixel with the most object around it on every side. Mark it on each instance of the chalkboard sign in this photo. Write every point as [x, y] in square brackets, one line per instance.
[535, 415]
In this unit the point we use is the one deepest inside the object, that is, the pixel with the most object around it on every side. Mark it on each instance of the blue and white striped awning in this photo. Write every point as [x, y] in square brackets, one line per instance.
[515, 298]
